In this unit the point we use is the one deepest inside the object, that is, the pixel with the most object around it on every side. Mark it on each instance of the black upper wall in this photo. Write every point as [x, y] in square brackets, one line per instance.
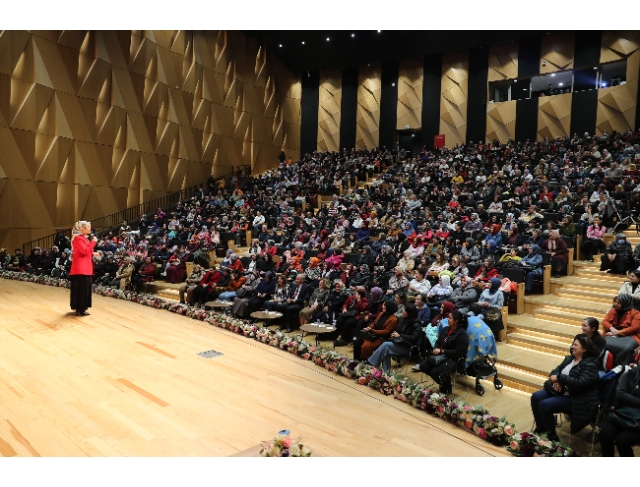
[431, 85]
[349, 108]
[309, 112]
[388, 104]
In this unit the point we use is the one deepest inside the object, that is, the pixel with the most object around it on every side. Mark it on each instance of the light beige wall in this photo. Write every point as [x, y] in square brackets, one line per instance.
[93, 122]
[368, 115]
[329, 110]
[410, 80]
[454, 99]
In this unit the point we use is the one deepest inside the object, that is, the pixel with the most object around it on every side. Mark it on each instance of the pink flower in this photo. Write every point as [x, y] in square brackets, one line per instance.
[514, 445]
[287, 442]
[481, 433]
[468, 424]
[508, 430]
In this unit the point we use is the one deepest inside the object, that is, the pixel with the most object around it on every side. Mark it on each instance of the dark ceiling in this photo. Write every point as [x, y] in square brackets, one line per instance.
[353, 48]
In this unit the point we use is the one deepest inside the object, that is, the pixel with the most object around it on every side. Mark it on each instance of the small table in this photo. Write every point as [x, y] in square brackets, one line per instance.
[219, 304]
[266, 316]
[319, 329]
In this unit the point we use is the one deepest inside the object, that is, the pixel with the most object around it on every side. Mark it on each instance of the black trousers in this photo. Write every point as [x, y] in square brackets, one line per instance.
[200, 294]
[619, 265]
[590, 246]
[613, 435]
[441, 374]
[345, 326]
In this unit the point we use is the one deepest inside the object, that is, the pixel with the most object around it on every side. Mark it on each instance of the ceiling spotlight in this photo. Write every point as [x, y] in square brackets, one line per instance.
[280, 45]
[604, 84]
[353, 35]
[561, 84]
[327, 38]
[595, 67]
[553, 74]
[524, 89]
[303, 42]
[515, 80]
[379, 31]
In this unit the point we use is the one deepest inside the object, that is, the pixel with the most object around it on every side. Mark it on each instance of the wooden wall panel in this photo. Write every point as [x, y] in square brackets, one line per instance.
[329, 110]
[454, 97]
[92, 122]
[617, 104]
[410, 80]
[368, 115]
[556, 52]
[501, 121]
[554, 116]
[503, 62]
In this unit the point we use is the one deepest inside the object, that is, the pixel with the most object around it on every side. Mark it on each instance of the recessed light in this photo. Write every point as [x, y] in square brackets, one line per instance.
[379, 31]
[327, 38]
[604, 84]
[353, 35]
[561, 84]
[596, 67]
[280, 45]
[524, 89]
[515, 80]
[553, 74]
[303, 42]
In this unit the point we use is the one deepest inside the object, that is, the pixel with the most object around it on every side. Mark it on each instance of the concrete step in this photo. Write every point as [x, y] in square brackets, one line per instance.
[562, 317]
[550, 301]
[574, 282]
[604, 297]
[536, 364]
[526, 324]
[536, 343]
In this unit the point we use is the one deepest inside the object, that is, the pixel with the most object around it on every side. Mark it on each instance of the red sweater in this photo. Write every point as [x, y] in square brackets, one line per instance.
[82, 261]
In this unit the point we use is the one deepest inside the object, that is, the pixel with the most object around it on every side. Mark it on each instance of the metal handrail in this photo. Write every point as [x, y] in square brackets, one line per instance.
[106, 223]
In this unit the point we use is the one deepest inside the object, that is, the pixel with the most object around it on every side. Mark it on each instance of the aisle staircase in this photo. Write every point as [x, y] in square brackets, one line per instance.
[537, 340]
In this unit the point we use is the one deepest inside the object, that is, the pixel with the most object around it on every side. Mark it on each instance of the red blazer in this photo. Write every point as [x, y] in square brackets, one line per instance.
[82, 261]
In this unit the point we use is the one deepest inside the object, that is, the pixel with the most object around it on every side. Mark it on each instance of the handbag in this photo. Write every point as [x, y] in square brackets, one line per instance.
[548, 386]
[241, 293]
[626, 417]
[435, 360]
[367, 335]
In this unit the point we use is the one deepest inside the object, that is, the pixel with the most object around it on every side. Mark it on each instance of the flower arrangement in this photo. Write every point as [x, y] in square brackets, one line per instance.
[285, 446]
[475, 419]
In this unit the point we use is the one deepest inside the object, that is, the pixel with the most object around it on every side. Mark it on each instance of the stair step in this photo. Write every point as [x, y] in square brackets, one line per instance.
[571, 305]
[552, 330]
[534, 363]
[575, 282]
[591, 296]
[537, 343]
[517, 379]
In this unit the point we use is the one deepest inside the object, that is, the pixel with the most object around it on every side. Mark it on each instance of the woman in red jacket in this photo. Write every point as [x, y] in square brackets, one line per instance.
[81, 267]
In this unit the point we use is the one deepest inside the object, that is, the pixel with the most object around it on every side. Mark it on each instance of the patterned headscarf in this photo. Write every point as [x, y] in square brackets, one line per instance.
[77, 228]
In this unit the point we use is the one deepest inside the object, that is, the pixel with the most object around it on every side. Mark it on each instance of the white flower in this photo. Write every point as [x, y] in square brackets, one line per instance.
[294, 451]
[305, 451]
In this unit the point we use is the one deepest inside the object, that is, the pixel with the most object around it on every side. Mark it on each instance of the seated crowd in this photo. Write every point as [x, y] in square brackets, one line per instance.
[425, 245]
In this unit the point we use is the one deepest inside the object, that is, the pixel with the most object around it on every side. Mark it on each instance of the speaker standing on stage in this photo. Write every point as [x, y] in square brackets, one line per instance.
[81, 267]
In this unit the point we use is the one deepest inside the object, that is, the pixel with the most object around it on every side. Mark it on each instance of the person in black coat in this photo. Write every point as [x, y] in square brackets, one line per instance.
[612, 433]
[572, 388]
[334, 303]
[453, 343]
[299, 292]
[408, 334]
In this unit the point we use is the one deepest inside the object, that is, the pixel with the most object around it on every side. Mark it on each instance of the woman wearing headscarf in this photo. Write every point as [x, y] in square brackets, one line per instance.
[352, 310]
[81, 267]
[495, 237]
[558, 250]
[465, 295]
[618, 258]
[473, 226]
[439, 293]
[452, 344]
[333, 305]
[381, 328]
[622, 326]
[409, 232]
[317, 301]
[532, 265]
[406, 335]
[197, 273]
[323, 245]
[263, 292]
[489, 305]
[632, 288]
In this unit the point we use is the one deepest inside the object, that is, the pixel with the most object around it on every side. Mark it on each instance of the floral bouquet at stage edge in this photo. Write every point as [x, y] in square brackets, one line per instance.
[285, 446]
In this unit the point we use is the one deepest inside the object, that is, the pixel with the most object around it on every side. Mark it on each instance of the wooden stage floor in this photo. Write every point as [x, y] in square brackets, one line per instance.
[126, 381]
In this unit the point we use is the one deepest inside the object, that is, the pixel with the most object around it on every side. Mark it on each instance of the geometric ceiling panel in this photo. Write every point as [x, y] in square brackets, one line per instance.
[368, 111]
[454, 97]
[329, 110]
[503, 62]
[556, 52]
[410, 80]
